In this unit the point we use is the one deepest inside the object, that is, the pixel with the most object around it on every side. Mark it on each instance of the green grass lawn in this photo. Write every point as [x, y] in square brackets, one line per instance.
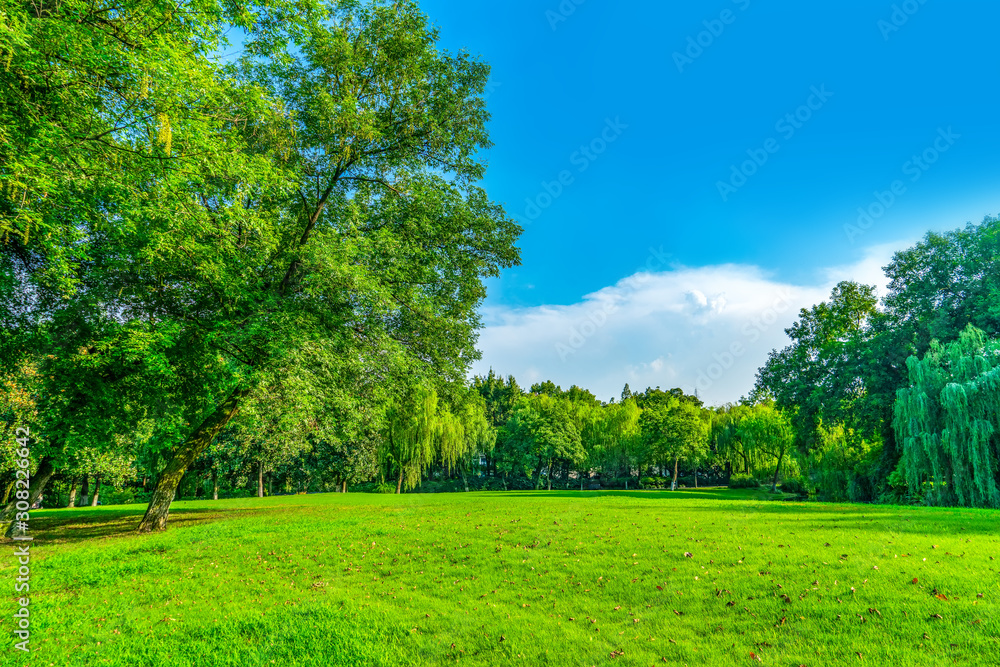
[521, 578]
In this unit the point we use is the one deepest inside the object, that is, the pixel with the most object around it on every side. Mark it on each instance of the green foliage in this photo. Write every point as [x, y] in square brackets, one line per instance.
[673, 429]
[840, 464]
[422, 430]
[795, 485]
[754, 438]
[815, 379]
[948, 421]
[743, 481]
[541, 432]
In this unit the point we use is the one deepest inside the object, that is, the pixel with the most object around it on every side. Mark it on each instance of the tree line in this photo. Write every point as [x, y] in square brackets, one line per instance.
[896, 399]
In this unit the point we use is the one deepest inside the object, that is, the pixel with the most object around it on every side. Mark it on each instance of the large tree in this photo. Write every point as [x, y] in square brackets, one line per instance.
[948, 422]
[362, 232]
[541, 433]
[674, 429]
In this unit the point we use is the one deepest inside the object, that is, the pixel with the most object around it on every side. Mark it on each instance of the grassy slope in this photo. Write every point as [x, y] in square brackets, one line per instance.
[514, 579]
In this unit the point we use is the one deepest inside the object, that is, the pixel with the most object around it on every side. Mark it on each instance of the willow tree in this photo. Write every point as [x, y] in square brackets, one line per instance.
[464, 431]
[612, 438]
[948, 421]
[769, 431]
[411, 433]
[753, 439]
[727, 439]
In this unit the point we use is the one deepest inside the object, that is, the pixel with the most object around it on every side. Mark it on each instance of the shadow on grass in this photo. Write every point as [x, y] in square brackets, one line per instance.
[77, 525]
[707, 493]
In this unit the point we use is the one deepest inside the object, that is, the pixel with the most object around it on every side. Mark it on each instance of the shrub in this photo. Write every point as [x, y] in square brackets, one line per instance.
[795, 485]
[385, 487]
[743, 482]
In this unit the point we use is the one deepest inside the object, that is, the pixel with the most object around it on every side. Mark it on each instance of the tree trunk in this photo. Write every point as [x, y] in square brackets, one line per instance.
[159, 505]
[35, 488]
[215, 484]
[97, 490]
[270, 483]
[550, 475]
[696, 477]
[538, 474]
[777, 470]
[344, 487]
[673, 485]
[85, 492]
[399, 484]
[72, 494]
[260, 479]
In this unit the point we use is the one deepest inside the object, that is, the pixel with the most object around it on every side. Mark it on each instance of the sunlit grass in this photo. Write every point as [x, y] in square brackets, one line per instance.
[547, 578]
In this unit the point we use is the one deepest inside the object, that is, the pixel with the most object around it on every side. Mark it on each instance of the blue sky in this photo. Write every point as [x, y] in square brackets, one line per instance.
[895, 82]
[869, 85]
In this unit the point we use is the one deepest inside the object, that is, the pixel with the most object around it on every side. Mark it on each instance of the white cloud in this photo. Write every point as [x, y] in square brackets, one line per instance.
[707, 328]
